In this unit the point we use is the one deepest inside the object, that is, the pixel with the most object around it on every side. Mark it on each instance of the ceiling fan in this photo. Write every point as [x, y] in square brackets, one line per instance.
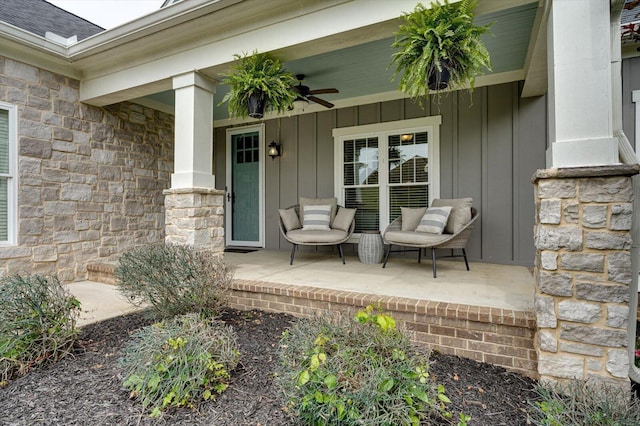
[305, 94]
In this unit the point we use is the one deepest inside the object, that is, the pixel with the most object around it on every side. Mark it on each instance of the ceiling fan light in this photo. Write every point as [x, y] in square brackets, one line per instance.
[299, 104]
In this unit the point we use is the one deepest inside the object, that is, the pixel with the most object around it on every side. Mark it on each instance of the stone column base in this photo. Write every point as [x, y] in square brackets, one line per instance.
[583, 273]
[195, 217]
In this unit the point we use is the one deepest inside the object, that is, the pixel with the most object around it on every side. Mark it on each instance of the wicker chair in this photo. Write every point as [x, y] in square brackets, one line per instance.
[394, 235]
[315, 238]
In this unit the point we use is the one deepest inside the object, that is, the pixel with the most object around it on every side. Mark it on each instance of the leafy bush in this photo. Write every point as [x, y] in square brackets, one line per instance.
[173, 279]
[179, 362]
[37, 323]
[363, 372]
[581, 403]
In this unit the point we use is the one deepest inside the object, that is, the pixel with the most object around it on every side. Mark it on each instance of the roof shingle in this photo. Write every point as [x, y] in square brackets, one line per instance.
[39, 16]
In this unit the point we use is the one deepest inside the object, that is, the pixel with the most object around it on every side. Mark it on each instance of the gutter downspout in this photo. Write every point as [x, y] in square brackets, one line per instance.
[628, 156]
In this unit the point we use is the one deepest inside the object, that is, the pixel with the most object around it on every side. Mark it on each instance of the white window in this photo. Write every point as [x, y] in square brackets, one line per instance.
[8, 173]
[383, 167]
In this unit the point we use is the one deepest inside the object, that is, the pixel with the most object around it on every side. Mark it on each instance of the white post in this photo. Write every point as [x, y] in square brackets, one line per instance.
[193, 162]
[580, 94]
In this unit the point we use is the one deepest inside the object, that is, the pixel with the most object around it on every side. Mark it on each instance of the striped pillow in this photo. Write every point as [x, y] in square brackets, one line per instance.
[316, 217]
[434, 220]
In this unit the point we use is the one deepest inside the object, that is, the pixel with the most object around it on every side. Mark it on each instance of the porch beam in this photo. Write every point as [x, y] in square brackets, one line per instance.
[193, 159]
[580, 93]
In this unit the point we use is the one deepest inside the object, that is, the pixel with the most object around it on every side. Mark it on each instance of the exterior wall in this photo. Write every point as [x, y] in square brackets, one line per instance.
[583, 273]
[90, 179]
[491, 144]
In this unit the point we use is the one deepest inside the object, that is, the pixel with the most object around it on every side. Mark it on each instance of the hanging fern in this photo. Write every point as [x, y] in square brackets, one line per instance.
[260, 74]
[442, 36]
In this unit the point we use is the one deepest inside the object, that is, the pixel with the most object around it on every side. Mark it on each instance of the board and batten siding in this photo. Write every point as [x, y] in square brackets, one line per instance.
[630, 82]
[491, 143]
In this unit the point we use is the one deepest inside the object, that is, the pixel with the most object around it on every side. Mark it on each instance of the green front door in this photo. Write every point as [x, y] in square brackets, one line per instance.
[244, 193]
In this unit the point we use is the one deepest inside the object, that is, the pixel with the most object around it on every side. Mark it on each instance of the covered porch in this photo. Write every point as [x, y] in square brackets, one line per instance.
[485, 285]
[485, 314]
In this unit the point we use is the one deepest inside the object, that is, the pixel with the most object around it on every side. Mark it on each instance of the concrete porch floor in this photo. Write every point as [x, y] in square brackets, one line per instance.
[487, 285]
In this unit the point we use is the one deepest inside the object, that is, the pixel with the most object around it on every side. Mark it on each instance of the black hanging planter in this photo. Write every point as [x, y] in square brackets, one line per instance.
[256, 105]
[438, 80]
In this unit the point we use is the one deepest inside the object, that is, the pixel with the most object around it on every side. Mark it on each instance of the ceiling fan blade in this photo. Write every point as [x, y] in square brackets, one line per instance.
[320, 101]
[321, 91]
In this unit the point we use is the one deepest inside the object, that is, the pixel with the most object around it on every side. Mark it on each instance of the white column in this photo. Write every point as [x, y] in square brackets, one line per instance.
[193, 162]
[579, 68]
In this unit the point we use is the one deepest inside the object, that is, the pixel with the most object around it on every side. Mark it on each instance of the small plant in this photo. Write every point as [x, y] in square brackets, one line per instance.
[439, 47]
[337, 372]
[173, 279]
[583, 403]
[179, 362]
[258, 78]
[37, 323]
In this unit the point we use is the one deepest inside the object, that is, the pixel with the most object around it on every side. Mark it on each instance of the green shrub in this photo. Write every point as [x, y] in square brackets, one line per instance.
[173, 279]
[582, 403]
[37, 323]
[362, 372]
[179, 362]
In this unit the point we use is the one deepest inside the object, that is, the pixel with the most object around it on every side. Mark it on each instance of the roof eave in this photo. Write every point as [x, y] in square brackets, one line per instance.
[154, 22]
[39, 51]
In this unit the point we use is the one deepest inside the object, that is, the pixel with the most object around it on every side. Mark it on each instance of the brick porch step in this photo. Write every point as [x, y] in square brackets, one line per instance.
[102, 273]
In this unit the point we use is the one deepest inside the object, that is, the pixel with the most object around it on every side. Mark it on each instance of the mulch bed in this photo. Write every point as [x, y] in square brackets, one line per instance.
[85, 389]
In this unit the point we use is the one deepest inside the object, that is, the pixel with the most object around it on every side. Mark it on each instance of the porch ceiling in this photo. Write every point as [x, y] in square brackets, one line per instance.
[362, 71]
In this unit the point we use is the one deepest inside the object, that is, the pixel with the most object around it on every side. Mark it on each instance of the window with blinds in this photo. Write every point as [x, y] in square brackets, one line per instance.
[381, 171]
[408, 171]
[8, 207]
[4, 175]
[361, 181]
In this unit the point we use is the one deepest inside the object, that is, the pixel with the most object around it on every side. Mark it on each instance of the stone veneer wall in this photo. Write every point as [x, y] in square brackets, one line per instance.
[583, 271]
[90, 179]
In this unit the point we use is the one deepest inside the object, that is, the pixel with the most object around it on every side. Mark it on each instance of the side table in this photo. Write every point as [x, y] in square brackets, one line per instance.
[370, 247]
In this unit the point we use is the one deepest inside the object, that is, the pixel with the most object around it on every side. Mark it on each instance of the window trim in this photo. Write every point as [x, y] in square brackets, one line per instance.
[12, 184]
[382, 131]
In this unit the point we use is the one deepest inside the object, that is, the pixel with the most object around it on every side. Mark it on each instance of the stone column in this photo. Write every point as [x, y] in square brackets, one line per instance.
[194, 209]
[583, 272]
[195, 217]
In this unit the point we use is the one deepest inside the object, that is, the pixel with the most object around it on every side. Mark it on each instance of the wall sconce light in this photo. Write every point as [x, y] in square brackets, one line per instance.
[274, 150]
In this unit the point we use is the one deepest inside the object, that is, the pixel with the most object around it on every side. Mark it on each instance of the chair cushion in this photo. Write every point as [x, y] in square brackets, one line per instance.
[411, 217]
[289, 218]
[460, 214]
[343, 219]
[300, 236]
[316, 218]
[434, 220]
[412, 238]
[332, 201]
